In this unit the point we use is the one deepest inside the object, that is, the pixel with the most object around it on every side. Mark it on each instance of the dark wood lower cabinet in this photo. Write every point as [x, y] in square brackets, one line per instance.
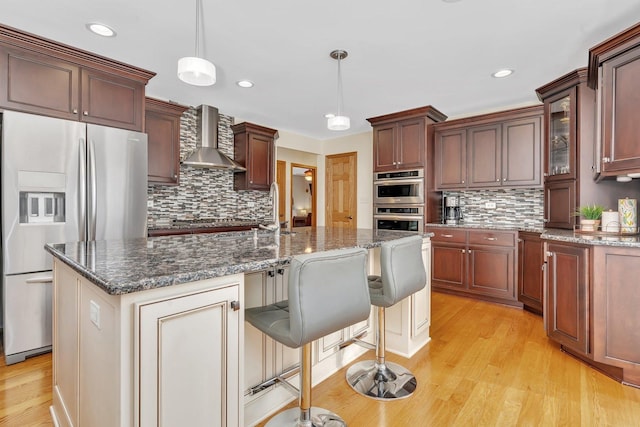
[566, 313]
[474, 263]
[592, 306]
[616, 303]
[530, 278]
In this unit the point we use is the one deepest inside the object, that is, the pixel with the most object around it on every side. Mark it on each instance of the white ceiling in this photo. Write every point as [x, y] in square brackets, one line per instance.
[402, 54]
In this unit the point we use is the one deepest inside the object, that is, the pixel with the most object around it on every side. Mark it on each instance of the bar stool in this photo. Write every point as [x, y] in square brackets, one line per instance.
[328, 291]
[402, 274]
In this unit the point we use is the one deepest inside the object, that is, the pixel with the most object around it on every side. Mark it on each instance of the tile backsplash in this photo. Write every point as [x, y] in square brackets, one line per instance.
[523, 207]
[205, 193]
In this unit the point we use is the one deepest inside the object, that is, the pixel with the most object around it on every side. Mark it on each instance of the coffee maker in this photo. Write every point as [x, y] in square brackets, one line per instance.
[452, 212]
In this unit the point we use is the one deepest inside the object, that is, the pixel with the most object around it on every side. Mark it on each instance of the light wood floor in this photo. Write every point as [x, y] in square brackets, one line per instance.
[487, 365]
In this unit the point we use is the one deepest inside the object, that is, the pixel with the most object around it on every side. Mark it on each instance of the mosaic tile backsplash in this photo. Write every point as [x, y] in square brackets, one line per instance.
[523, 207]
[205, 193]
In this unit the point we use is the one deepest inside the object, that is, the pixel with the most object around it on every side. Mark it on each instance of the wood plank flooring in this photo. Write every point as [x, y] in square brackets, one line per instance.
[487, 365]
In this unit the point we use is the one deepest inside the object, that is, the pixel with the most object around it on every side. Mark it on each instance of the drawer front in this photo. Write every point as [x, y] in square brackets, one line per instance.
[448, 235]
[492, 238]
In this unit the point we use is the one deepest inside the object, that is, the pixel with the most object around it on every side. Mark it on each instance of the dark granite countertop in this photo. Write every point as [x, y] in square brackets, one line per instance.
[569, 236]
[125, 266]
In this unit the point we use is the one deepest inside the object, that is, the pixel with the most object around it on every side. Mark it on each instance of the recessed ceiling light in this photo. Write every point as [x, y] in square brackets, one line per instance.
[329, 115]
[245, 83]
[502, 73]
[101, 29]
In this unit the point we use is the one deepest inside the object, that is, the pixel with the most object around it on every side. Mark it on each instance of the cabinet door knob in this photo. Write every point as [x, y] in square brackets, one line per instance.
[545, 174]
[235, 305]
[75, 111]
[86, 113]
[175, 176]
[463, 251]
[463, 181]
[498, 180]
[545, 220]
[549, 253]
[606, 160]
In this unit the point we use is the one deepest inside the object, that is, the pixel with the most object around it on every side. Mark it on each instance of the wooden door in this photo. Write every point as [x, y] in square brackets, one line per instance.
[616, 299]
[451, 158]
[521, 153]
[567, 313]
[281, 179]
[530, 271]
[112, 101]
[38, 84]
[620, 105]
[162, 125]
[384, 157]
[341, 191]
[410, 145]
[560, 204]
[448, 266]
[483, 155]
[491, 271]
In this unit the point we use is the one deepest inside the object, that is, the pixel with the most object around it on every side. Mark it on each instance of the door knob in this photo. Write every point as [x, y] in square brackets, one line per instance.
[349, 217]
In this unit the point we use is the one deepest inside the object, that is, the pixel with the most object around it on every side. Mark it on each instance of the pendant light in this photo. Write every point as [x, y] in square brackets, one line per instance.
[195, 70]
[339, 122]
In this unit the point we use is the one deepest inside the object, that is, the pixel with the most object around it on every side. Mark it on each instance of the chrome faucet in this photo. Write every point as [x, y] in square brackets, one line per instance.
[275, 202]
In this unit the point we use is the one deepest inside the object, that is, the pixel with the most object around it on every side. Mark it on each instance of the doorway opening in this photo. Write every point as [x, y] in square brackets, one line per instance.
[303, 195]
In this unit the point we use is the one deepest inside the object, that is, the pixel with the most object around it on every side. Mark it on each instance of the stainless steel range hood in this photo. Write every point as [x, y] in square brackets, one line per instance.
[206, 153]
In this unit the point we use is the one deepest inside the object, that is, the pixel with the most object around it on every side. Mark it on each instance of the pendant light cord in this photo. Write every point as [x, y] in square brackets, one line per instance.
[198, 6]
[339, 94]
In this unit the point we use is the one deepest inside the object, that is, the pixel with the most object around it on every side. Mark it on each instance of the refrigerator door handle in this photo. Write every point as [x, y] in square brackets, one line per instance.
[92, 191]
[82, 191]
[46, 279]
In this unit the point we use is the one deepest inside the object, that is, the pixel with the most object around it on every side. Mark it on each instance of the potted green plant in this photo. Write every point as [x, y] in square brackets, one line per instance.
[591, 215]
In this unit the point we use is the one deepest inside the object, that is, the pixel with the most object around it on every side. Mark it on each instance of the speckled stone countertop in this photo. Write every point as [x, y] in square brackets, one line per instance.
[569, 236]
[125, 266]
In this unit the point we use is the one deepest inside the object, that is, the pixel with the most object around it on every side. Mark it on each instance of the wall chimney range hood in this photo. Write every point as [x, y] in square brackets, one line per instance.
[206, 153]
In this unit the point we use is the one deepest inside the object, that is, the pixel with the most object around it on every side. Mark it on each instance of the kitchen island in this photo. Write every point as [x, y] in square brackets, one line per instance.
[151, 331]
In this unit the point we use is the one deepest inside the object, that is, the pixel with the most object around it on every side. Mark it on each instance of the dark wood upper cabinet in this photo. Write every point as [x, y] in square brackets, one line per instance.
[400, 139]
[44, 77]
[254, 148]
[497, 150]
[571, 159]
[162, 125]
[614, 67]
[450, 160]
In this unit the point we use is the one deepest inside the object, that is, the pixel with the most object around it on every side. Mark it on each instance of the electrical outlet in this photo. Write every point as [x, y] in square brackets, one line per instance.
[94, 313]
[490, 205]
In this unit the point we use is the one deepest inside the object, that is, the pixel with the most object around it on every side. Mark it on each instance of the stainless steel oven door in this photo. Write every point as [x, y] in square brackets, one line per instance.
[399, 191]
[399, 222]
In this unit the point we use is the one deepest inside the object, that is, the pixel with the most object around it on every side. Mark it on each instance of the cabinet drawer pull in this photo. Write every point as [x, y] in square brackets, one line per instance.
[446, 235]
[491, 239]
[549, 253]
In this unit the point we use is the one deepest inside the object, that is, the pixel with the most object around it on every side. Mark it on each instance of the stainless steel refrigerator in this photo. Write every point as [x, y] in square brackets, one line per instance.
[62, 181]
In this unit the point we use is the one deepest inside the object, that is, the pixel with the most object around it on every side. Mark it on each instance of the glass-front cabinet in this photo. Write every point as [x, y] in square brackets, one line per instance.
[560, 138]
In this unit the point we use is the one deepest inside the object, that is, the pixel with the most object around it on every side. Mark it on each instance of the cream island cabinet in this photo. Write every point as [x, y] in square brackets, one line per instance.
[151, 331]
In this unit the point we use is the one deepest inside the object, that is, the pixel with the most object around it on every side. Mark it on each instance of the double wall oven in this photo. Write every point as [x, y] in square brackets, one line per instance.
[399, 200]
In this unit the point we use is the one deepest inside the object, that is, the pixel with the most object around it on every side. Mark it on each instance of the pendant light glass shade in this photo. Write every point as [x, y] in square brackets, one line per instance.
[339, 122]
[195, 70]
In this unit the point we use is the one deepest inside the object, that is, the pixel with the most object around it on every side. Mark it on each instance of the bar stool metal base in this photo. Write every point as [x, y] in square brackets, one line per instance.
[319, 417]
[382, 382]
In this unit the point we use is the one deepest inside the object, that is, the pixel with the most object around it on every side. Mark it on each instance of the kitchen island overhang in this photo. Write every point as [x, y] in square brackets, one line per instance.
[119, 298]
